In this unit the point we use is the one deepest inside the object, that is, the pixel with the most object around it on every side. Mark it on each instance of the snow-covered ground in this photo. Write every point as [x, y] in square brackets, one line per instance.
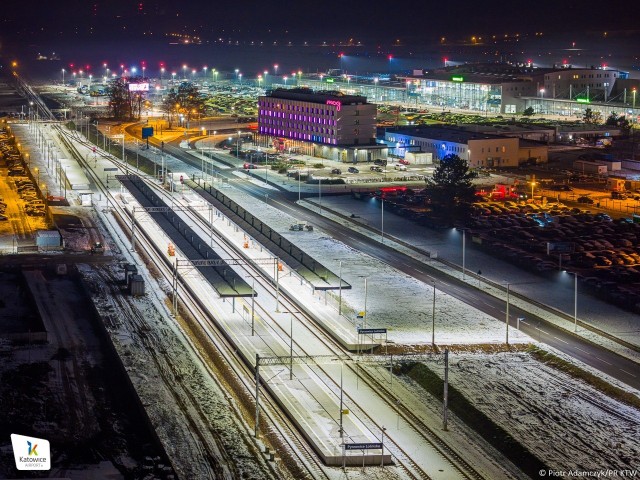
[564, 421]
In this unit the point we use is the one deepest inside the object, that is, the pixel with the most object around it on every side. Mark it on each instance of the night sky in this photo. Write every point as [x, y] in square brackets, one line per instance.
[408, 19]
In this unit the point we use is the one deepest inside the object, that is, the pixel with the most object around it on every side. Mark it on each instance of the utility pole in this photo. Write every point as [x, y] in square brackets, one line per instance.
[445, 405]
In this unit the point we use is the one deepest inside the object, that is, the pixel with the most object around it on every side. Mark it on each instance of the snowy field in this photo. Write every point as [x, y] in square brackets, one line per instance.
[565, 422]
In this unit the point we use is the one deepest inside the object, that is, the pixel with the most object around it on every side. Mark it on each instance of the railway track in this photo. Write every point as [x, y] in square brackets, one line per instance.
[287, 435]
[403, 459]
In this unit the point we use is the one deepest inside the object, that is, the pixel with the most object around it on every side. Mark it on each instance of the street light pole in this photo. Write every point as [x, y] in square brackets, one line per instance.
[340, 288]
[382, 222]
[507, 314]
[433, 317]
[464, 251]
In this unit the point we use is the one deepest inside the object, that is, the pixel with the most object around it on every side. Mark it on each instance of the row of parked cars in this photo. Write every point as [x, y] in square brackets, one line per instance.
[602, 252]
[34, 206]
[25, 188]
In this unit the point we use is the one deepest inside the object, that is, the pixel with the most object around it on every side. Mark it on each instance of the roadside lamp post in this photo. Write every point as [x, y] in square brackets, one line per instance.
[299, 76]
[265, 73]
[215, 75]
[238, 146]
[173, 77]
[205, 71]
[507, 313]
[533, 184]
[37, 174]
[382, 220]
[240, 77]
[375, 90]
[161, 74]
[285, 78]
[340, 288]
[184, 72]
[433, 317]
[275, 69]
[464, 253]
[633, 92]
[259, 81]
[237, 71]
[575, 300]
[63, 77]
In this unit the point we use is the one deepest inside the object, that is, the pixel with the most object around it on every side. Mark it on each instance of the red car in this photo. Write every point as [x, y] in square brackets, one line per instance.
[250, 166]
[403, 161]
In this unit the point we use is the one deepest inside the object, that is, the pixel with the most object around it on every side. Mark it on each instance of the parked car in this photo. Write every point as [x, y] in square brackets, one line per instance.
[587, 200]
[376, 168]
[380, 161]
[336, 171]
[250, 166]
[618, 195]
[353, 170]
[402, 168]
[403, 161]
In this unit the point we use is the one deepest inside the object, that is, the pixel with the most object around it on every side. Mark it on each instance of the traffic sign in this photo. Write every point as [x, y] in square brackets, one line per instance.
[363, 446]
[119, 135]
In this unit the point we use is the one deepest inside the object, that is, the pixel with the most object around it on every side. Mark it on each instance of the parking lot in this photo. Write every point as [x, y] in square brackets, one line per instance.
[604, 253]
[22, 207]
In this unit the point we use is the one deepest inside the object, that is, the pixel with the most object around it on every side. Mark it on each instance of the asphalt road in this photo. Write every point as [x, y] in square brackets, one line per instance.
[612, 364]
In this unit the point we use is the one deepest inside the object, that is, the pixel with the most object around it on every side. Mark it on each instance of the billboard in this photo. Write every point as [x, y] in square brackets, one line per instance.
[138, 87]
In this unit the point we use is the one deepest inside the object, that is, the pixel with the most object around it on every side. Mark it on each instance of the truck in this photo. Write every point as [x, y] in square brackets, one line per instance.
[97, 248]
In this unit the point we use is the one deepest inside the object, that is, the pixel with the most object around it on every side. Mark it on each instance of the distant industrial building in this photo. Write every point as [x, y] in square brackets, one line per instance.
[481, 150]
[496, 88]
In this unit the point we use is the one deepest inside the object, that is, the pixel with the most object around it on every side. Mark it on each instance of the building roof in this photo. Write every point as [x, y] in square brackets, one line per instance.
[445, 134]
[303, 94]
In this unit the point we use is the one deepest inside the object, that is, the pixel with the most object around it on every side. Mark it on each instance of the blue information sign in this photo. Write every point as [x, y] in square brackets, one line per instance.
[147, 132]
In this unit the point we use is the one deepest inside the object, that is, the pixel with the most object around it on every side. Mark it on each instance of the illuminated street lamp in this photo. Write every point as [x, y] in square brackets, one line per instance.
[542, 93]
[173, 77]
[184, 71]
[63, 76]
[285, 78]
[634, 91]
[237, 71]
[161, 74]
[275, 69]
[215, 75]
[259, 81]
[240, 77]
[205, 71]
[37, 170]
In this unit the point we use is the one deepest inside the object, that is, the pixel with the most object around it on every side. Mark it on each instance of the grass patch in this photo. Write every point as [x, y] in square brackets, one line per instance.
[478, 421]
[596, 382]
